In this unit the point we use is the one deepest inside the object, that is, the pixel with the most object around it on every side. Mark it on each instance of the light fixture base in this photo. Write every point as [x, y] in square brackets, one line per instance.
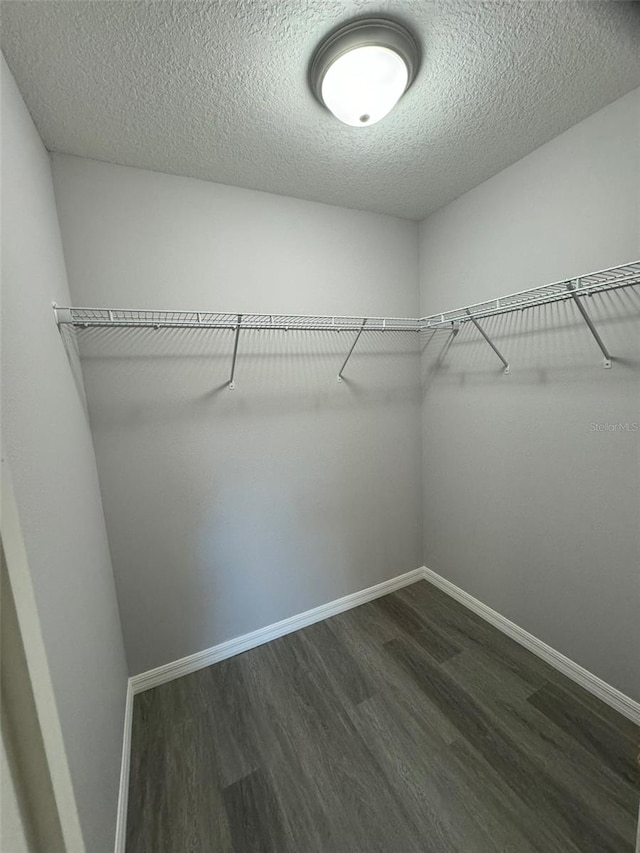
[364, 32]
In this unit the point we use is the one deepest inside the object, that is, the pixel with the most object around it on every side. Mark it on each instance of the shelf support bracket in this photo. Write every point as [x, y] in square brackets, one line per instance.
[571, 287]
[232, 383]
[353, 346]
[489, 341]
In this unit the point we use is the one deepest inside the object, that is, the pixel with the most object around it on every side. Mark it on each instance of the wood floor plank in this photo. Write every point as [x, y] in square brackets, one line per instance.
[221, 705]
[174, 799]
[516, 719]
[365, 644]
[561, 808]
[412, 623]
[477, 670]
[495, 802]
[469, 631]
[367, 621]
[408, 756]
[254, 816]
[340, 667]
[587, 783]
[407, 724]
[433, 786]
[591, 731]
[307, 824]
[334, 765]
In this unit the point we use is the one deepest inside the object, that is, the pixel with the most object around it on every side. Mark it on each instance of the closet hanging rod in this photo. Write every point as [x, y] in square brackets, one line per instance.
[626, 275]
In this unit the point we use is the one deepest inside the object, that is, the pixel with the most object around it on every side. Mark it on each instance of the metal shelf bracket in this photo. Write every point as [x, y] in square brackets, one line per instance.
[232, 384]
[489, 341]
[572, 287]
[353, 346]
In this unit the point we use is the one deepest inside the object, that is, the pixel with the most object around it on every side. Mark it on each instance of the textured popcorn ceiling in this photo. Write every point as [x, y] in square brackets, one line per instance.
[219, 90]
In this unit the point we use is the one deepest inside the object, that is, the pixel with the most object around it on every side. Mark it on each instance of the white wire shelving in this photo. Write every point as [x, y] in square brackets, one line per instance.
[142, 318]
[585, 285]
[568, 289]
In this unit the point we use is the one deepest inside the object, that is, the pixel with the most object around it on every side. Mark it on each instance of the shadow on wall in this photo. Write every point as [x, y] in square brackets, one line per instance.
[179, 374]
[72, 348]
[540, 344]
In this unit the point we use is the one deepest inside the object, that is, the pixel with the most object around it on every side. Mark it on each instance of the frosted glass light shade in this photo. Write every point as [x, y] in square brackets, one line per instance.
[364, 84]
[362, 69]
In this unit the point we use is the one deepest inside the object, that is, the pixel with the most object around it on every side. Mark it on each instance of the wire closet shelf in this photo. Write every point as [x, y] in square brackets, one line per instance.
[573, 289]
[142, 318]
[586, 285]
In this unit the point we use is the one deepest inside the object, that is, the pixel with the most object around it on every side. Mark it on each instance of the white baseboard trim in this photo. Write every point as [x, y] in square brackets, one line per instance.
[123, 794]
[608, 694]
[199, 660]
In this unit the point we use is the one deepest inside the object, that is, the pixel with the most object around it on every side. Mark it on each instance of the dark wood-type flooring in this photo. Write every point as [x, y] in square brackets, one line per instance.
[407, 724]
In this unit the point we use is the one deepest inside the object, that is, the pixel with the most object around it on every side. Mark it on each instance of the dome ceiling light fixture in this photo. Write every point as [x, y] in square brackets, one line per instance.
[361, 70]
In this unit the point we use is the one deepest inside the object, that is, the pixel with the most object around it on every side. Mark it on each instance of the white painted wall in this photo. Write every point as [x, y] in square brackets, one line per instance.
[526, 506]
[230, 510]
[47, 443]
